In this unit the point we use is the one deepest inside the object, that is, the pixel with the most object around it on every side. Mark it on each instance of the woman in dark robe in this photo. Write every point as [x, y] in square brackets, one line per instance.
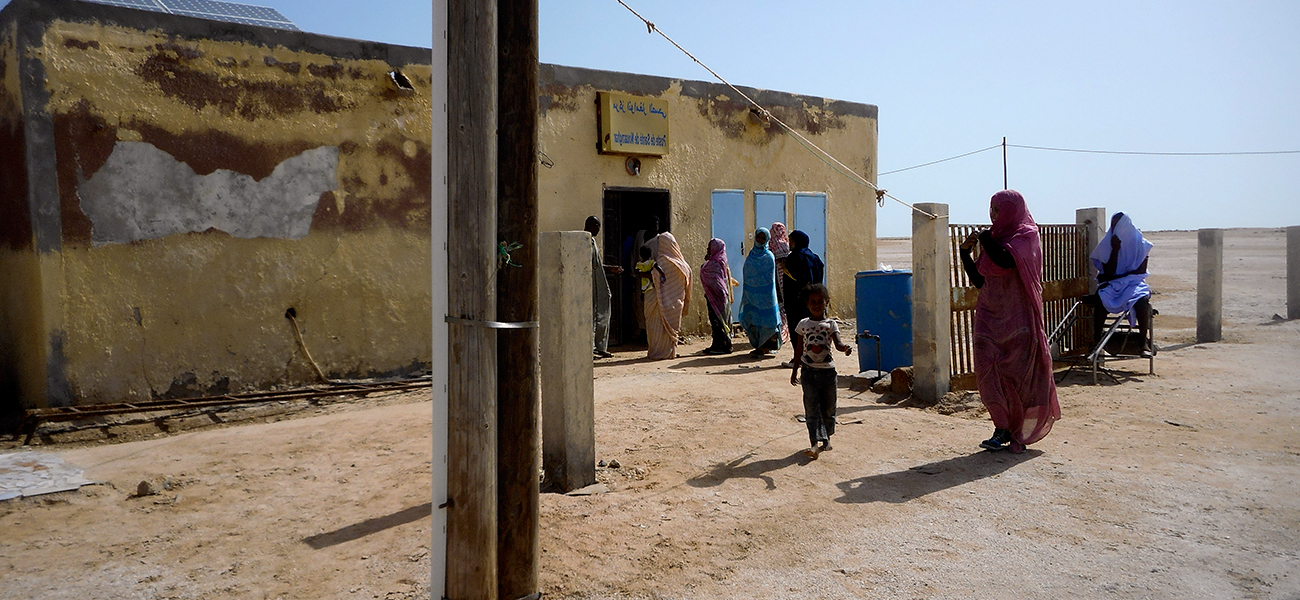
[803, 268]
[1013, 365]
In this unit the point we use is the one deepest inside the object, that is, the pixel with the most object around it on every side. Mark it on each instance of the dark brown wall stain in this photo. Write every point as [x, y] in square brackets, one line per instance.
[82, 142]
[80, 45]
[332, 71]
[732, 119]
[410, 210]
[15, 214]
[166, 67]
[560, 97]
[210, 150]
[292, 68]
[726, 115]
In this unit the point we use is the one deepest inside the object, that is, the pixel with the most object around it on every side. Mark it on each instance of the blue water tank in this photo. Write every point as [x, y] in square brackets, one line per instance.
[884, 307]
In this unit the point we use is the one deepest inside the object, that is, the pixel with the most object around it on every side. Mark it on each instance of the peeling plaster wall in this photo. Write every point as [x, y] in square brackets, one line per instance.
[21, 337]
[205, 178]
[714, 145]
[143, 193]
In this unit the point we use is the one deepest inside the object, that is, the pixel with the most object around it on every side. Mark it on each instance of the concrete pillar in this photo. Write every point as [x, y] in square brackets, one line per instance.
[1209, 285]
[1093, 223]
[568, 409]
[1293, 272]
[931, 303]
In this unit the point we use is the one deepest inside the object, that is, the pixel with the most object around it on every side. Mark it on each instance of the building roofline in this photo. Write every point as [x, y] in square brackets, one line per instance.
[193, 28]
[652, 85]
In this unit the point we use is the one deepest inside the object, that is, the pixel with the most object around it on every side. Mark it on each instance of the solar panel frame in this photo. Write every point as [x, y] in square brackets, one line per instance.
[212, 10]
[153, 5]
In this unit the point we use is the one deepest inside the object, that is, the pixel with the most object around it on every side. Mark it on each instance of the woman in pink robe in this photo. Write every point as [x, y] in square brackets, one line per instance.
[1013, 366]
[667, 300]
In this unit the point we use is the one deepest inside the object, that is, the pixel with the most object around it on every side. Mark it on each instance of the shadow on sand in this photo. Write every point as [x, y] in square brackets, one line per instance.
[369, 526]
[735, 359]
[754, 470]
[901, 486]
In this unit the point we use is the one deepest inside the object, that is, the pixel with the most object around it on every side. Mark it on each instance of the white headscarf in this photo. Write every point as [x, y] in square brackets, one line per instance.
[1133, 247]
[1127, 288]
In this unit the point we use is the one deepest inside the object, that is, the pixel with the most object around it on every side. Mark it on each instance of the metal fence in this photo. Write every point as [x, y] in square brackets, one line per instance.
[1065, 280]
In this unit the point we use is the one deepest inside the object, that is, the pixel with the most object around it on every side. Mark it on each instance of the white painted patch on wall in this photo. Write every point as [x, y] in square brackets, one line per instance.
[143, 193]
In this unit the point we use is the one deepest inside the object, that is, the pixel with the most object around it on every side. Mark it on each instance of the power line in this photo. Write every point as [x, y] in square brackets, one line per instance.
[1119, 152]
[935, 162]
[816, 150]
[1154, 153]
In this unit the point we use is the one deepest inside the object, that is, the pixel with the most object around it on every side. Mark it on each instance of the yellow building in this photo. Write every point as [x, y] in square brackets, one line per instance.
[722, 171]
[173, 189]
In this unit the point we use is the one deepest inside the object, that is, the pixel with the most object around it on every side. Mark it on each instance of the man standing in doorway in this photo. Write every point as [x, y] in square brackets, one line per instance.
[600, 296]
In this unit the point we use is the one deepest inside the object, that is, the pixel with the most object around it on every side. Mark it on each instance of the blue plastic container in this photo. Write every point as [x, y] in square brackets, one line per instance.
[884, 307]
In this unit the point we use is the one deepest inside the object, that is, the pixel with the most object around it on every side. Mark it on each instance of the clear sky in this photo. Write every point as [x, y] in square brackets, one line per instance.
[951, 77]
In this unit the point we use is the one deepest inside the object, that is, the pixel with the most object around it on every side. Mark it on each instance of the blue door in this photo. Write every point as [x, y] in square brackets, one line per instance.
[769, 208]
[810, 218]
[729, 226]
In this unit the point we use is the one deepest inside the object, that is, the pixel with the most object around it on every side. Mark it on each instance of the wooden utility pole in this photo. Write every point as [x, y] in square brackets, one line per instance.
[471, 300]
[518, 386]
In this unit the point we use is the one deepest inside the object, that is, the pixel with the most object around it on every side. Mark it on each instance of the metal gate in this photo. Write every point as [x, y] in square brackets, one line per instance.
[1065, 280]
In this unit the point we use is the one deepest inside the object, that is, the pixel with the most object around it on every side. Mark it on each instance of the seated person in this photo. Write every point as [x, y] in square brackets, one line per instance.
[1121, 261]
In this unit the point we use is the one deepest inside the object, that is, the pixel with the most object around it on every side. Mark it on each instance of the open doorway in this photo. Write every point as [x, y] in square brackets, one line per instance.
[627, 213]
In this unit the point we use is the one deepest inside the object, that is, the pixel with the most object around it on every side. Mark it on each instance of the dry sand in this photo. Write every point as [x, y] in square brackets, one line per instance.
[1180, 484]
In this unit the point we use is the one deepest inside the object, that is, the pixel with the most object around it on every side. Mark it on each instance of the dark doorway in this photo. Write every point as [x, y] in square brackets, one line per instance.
[629, 211]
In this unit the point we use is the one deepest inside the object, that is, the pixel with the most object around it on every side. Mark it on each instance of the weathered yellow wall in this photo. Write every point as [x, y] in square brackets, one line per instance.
[22, 340]
[204, 311]
[716, 145]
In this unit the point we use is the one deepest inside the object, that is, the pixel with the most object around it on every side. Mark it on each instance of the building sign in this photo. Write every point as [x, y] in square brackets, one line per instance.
[633, 124]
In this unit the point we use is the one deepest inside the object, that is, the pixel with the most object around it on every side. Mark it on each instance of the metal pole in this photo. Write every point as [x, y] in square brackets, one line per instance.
[1004, 163]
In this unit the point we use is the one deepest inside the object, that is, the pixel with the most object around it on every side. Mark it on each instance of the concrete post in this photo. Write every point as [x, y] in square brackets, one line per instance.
[1293, 272]
[1092, 221]
[931, 303]
[568, 409]
[1209, 285]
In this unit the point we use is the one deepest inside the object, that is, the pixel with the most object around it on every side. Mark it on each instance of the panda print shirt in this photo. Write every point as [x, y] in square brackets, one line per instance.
[819, 339]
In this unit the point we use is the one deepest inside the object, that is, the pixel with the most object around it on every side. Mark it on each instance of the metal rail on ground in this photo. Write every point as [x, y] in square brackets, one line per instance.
[34, 417]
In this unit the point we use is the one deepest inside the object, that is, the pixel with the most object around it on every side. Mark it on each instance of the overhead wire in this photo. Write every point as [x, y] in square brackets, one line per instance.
[816, 150]
[1154, 153]
[935, 162]
[1119, 152]
[840, 167]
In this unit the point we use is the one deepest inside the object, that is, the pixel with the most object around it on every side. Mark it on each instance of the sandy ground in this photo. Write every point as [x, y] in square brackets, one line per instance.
[1180, 484]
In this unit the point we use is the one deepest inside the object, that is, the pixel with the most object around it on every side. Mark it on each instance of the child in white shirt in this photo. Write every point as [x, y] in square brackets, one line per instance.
[813, 346]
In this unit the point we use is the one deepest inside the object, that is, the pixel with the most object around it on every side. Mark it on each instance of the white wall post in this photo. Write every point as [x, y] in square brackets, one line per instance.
[1209, 285]
[568, 391]
[931, 303]
[1293, 272]
[1092, 221]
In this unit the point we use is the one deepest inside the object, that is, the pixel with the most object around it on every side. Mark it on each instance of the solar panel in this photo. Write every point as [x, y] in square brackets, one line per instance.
[212, 10]
[145, 4]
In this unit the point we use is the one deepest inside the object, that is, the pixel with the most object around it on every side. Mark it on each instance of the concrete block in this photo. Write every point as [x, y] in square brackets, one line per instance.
[1209, 285]
[171, 424]
[931, 302]
[1093, 223]
[1293, 272]
[568, 391]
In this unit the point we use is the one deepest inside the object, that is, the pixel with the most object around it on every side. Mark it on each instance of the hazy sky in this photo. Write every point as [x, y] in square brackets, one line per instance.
[952, 77]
